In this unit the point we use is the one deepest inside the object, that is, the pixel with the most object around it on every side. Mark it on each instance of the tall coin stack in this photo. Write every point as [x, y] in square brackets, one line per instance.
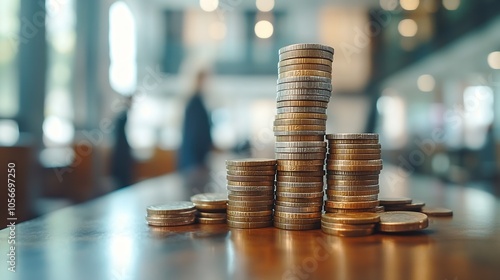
[303, 92]
[353, 167]
[250, 185]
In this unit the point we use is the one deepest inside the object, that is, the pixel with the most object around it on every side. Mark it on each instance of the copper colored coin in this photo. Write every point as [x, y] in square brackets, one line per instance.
[252, 193]
[308, 66]
[330, 192]
[209, 198]
[305, 156]
[353, 188]
[300, 195]
[318, 162]
[250, 178]
[394, 200]
[299, 184]
[203, 220]
[352, 178]
[401, 221]
[249, 213]
[352, 156]
[299, 200]
[307, 138]
[251, 168]
[251, 162]
[352, 183]
[296, 221]
[354, 167]
[347, 198]
[250, 219]
[289, 215]
[351, 205]
[353, 173]
[297, 127]
[305, 60]
[249, 197]
[338, 210]
[373, 162]
[251, 183]
[234, 224]
[305, 72]
[347, 226]
[301, 174]
[252, 203]
[171, 221]
[300, 121]
[251, 173]
[351, 218]
[335, 146]
[353, 141]
[211, 215]
[414, 206]
[355, 151]
[364, 136]
[297, 226]
[299, 189]
[300, 150]
[301, 116]
[300, 168]
[299, 204]
[211, 207]
[437, 211]
[250, 188]
[249, 208]
[316, 110]
[298, 209]
[299, 179]
[173, 215]
[302, 104]
[347, 233]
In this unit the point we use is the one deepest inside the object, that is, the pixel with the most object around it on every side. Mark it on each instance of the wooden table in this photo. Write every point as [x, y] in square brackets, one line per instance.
[108, 238]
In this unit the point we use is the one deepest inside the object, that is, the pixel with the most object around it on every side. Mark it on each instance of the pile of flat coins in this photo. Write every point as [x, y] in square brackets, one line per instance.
[408, 204]
[303, 92]
[211, 207]
[349, 224]
[250, 185]
[353, 165]
[402, 221]
[175, 213]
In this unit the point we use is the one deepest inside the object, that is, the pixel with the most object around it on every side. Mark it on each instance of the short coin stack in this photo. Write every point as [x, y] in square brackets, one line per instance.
[211, 207]
[250, 185]
[401, 204]
[353, 167]
[349, 224]
[303, 92]
[175, 213]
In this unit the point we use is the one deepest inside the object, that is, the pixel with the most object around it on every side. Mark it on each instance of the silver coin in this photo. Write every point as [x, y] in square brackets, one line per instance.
[306, 46]
[299, 132]
[302, 91]
[304, 79]
[302, 97]
[301, 150]
[171, 206]
[300, 156]
[317, 110]
[368, 136]
[300, 144]
[304, 85]
[306, 53]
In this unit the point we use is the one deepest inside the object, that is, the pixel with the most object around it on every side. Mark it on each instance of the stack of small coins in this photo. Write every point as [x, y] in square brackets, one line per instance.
[349, 224]
[353, 167]
[250, 185]
[211, 207]
[304, 90]
[401, 204]
[176, 213]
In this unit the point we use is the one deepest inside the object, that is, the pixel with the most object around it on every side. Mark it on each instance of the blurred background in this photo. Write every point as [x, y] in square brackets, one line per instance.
[422, 73]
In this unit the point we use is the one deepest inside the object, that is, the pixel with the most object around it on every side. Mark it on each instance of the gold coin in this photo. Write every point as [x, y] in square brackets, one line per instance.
[289, 215]
[299, 204]
[297, 226]
[211, 215]
[298, 200]
[250, 219]
[299, 127]
[203, 220]
[414, 206]
[347, 232]
[250, 188]
[306, 46]
[308, 85]
[235, 224]
[302, 174]
[209, 198]
[299, 138]
[352, 156]
[353, 141]
[255, 183]
[352, 136]
[347, 226]
[353, 188]
[339, 210]
[301, 109]
[289, 156]
[300, 168]
[299, 189]
[351, 218]
[351, 198]
[353, 146]
[401, 221]
[251, 203]
[354, 151]
[352, 178]
[171, 207]
[285, 122]
[437, 211]
[249, 208]
[302, 104]
[298, 209]
[299, 132]
[295, 73]
[173, 215]
[351, 183]
[252, 193]
[354, 167]
[301, 67]
[251, 168]
[171, 222]
[249, 197]
[251, 173]
[330, 192]
[300, 179]
[318, 184]
[251, 162]
[373, 162]
[249, 213]
[300, 150]
[296, 221]
[300, 116]
[284, 96]
[351, 205]
[300, 195]
[394, 200]
[353, 173]
[305, 60]
[211, 207]
[306, 53]
[234, 178]
[318, 162]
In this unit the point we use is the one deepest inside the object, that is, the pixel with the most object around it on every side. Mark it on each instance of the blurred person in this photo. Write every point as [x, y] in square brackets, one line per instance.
[196, 138]
[122, 162]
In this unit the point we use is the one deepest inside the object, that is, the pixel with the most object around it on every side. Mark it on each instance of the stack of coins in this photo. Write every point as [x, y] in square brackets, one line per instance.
[349, 224]
[174, 213]
[303, 92]
[211, 207]
[401, 204]
[402, 221]
[353, 167]
[250, 185]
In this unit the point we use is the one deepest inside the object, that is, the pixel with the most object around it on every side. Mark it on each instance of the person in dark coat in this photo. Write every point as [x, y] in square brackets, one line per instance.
[122, 161]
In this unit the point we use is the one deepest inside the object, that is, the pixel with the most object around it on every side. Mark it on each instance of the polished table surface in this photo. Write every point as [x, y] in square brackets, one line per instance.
[107, 238]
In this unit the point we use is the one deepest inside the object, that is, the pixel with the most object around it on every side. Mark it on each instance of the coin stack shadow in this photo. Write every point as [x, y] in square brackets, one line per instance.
[211, 207]
[250, 185]
[303, 92]
[353, 167]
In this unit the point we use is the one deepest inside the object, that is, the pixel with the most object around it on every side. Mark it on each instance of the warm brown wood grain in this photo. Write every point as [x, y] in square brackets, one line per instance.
[107, 238]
